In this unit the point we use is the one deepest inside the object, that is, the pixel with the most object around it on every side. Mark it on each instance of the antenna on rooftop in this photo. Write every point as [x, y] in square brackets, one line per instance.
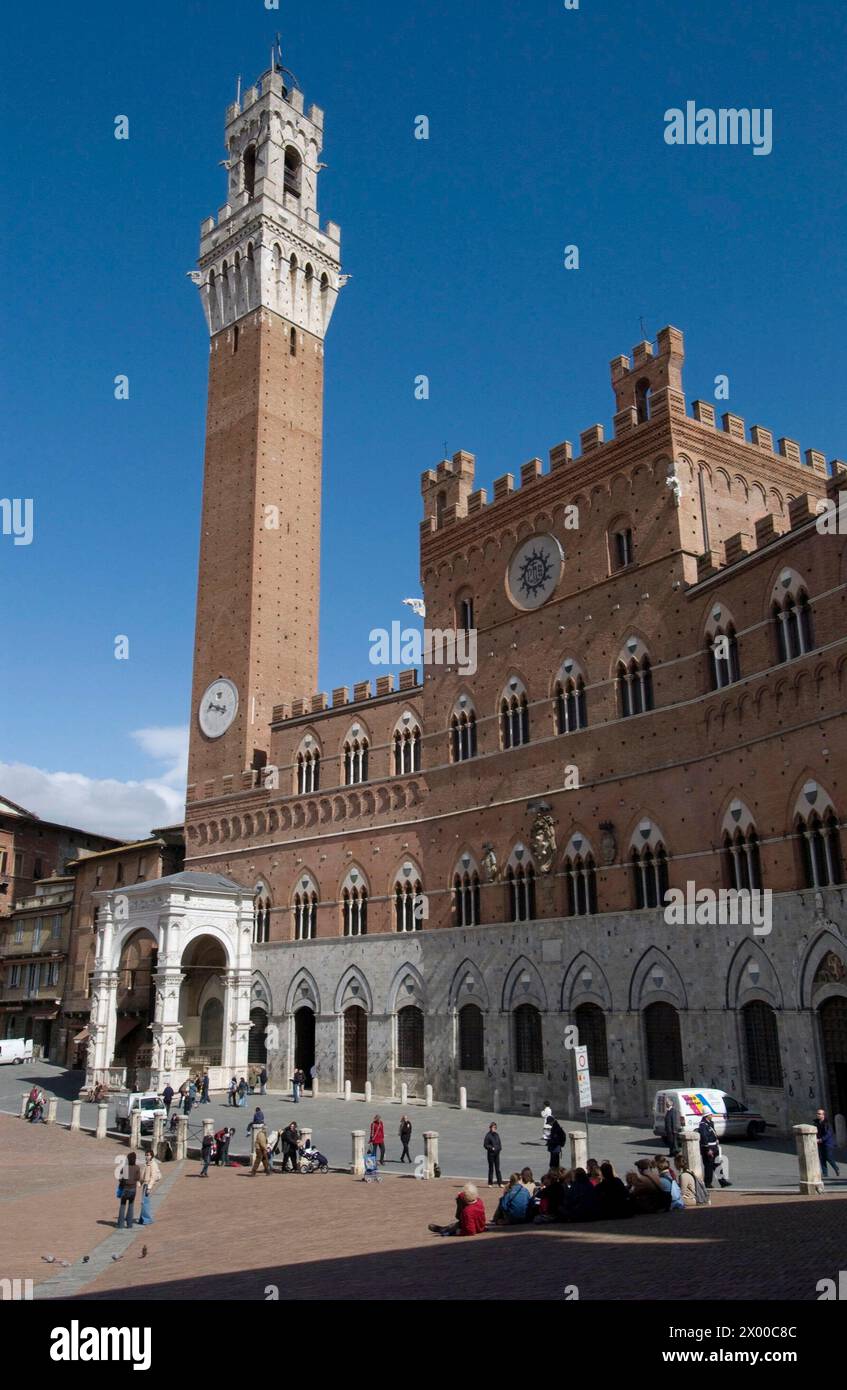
[238, 91]
[643, 329]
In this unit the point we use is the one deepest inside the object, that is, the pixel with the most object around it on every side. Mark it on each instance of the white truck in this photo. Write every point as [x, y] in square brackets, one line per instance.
[16, 1050]
[148, 1102]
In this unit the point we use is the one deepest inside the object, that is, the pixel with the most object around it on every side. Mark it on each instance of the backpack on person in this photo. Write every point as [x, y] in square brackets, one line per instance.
[701, 1193]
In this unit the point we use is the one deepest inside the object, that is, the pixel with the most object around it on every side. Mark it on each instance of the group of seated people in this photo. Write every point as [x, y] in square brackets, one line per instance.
[593, 1193]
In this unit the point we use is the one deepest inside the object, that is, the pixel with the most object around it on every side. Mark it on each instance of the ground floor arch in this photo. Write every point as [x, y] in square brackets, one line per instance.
[257, 1047]
[832, 1018]
[304, 1040]
[356, 1047]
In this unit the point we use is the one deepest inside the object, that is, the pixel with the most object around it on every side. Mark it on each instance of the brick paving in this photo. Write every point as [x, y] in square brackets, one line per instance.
[313, 1237]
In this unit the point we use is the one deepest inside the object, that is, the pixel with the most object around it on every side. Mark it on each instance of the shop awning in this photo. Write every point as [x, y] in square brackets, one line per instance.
[45, 1016]
[83, 1036]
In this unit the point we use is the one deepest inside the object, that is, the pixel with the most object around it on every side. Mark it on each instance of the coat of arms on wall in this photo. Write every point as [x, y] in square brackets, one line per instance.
[542, 836]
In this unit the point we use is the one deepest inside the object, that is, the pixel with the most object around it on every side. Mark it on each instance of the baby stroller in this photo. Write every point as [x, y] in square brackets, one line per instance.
[372, 1173]
[312, 1160]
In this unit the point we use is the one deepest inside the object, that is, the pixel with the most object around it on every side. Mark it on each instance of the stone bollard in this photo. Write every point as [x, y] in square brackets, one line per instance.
[368, 1092]
[358, 1163]
[840, 1127]
[181, 1147]
[404, 1094]
[307, 1137]
[428, 1095]
[690, 1147]
[158, 1127]
[315, 1087]
[76, 1107]
[348, 1090]
[579, 1148]
[24, 1099]
[811, 1182]
[463, 1098]
[208, 1126]
[102, 1120]
[51, 1110]
[135, 1130]
[495, 1101]
[430, 1152]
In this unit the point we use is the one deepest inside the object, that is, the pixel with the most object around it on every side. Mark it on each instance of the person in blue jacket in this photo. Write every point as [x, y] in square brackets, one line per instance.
[514, 1204]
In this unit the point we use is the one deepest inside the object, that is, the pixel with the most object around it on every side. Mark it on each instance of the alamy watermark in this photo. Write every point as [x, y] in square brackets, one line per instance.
[728, 907]
[434, 646]
[16, 519]
[726, 126]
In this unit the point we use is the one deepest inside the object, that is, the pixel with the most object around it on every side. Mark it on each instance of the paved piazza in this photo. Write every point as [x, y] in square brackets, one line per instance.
[312, 1237]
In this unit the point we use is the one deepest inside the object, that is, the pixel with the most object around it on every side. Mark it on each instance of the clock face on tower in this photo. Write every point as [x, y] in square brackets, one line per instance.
[218, 707]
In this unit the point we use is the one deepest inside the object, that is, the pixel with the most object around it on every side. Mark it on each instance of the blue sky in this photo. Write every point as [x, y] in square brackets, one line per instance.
[546, 130]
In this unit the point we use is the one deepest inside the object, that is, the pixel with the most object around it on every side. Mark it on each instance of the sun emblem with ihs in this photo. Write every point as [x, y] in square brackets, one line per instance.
[535, 573]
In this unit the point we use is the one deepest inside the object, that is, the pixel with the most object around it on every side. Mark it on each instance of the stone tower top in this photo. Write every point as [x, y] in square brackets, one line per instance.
[266, 248]
[648, 372]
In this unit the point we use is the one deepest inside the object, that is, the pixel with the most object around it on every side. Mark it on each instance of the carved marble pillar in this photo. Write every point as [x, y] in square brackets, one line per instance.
[236, 1021]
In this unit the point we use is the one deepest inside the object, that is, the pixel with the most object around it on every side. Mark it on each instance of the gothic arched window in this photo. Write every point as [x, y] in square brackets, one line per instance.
[664, 1042]
[591, 1030]
[820, 843]
[529, 1051]
[635, 684]
[261, 915]
[292, 176]
[466, 904]
[571, 711]
[723, 654]
[741, 850]
[581, 882]
[305, 915]
[249, 163]
[514, 716]
[407, 749]
[520, 883]
[463, 735]
[354, 907]
[408, 896]
[471, 1038]
[793, 619]
[355, 760]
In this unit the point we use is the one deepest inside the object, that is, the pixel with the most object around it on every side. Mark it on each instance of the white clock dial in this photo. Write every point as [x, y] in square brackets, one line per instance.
[218, 707]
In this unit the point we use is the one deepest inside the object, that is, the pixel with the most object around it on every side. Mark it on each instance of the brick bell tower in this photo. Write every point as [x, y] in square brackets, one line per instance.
[268, 278]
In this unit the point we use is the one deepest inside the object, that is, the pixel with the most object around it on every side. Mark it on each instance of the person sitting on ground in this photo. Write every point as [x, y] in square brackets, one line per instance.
[581, 1202]
[545, 1193]
[257, 1120]
[645, 1188]
[529, 1181]
[562, 1180]
[592, 1168]
[514, 1204]
[669, 1184]
[690, 1184]
[613, 1200]
[470, 1215]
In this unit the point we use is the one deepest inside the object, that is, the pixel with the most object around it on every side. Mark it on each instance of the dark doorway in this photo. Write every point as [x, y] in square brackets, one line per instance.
[833, 1017]
[356, 1047]
[304, 1041]
[257, 1048]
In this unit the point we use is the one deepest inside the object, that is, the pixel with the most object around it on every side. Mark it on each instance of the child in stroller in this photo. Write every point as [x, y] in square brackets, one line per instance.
[312, 1160]
[371, 1166]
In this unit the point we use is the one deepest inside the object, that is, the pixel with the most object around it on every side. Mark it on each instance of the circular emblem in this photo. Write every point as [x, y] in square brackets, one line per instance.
[534, 571]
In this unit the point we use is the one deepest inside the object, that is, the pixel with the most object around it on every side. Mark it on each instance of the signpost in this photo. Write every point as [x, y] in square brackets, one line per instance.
[583, 1081]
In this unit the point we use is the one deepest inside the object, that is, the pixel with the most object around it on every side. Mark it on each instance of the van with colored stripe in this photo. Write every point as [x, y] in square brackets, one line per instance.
[731, 1118]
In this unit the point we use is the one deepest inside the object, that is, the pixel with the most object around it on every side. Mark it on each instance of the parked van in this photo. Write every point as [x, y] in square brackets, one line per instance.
[16, 1050]
[148, 1102]
[732, 1119]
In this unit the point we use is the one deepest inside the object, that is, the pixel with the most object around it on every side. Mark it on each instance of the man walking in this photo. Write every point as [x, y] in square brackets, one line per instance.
[295, 1087]
[492, 1144]
[826, 1143]
[204, 1093]
[263, 1081]
[262, 1157]
[167, 1097]
[207, 1149]
[405, 1132]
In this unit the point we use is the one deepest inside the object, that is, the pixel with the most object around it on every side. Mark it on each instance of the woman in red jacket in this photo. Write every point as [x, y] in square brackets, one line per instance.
[378, 1138]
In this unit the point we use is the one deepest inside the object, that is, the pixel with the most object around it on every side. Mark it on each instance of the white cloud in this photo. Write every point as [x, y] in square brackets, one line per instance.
[126, 810]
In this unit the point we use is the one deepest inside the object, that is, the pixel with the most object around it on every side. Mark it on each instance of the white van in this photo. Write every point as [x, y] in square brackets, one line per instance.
[148, 1102]
[15, 1050]
[732, 1119]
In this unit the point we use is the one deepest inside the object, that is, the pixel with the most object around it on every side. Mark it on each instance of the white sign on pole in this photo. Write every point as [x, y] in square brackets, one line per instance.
[583, 1077]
